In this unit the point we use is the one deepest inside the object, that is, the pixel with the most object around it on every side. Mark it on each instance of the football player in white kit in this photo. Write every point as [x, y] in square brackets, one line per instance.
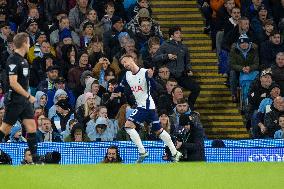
[140, 81]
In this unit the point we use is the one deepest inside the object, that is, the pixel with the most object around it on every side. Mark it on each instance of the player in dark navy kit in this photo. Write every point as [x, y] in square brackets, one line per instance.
[18, 102]
[140, 82]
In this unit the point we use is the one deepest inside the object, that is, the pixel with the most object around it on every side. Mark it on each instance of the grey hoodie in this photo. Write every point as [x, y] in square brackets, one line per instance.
[52, 110]
[88, 88]
[38, 95]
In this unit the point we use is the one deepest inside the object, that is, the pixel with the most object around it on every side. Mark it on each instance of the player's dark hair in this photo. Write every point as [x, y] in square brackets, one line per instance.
[20, 39]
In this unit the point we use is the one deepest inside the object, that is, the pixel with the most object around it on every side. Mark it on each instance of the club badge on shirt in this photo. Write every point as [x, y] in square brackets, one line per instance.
[25, 71]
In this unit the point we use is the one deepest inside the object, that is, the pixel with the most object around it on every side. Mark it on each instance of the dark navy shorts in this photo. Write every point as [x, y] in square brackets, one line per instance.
[141, 115]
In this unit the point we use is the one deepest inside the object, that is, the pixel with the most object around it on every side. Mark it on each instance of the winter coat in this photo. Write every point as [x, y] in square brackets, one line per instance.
[38, 95]
[271, 121]
[54, 37]
[181, 64]
[268, 52]
[76, 17]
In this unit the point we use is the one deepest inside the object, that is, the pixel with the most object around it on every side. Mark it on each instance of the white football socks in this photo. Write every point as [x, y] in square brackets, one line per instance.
[168, 141]
[136, 139]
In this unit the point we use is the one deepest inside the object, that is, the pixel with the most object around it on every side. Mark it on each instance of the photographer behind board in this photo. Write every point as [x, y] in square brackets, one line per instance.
[189, 141]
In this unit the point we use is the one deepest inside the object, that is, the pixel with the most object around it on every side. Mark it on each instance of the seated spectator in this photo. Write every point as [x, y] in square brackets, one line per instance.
[41, 100]
[32, 29]
[264, 107]
[77, 134]
[175, 55]
[113, 100]
[109, 12]
[54, 25]
[74, 74]
[278, 71]
[280, 133]
[92, 86]
[259, 89]
[182, 108]
[88, 110]
[27, 157]
[69, 127]
[48, 83]
[60, 94]
[140, 4]
[93, 18]
[78, 14]
[63, 24]
[271, 118]
[243, 60]
[5, 31]
[165, 101]
[143, 14]
[16, 134]
[100, 130]
[112, 155]
[269, 49]
[165, 122]
[62, 116]
[59, 83]
[46, 133]
[95, 50]
[162, 79]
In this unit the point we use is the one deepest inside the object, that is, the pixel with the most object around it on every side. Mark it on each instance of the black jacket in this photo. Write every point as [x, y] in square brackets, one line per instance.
[268, 52]
[278, 76]
[271, 121]
[113, 105]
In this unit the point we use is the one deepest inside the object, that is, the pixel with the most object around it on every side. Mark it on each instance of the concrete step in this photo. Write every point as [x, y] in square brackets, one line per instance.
[179, 9]
[175, 15]
[173, 2]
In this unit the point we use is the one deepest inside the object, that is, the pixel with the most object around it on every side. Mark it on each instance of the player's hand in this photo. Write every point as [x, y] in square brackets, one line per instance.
[150, 73]
[32, 99]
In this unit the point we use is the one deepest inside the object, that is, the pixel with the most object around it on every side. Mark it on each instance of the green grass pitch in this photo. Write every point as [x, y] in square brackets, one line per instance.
[145, 176]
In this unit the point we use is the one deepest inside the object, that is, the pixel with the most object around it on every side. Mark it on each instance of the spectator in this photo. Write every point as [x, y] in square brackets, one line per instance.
[271, 118]
[109, 12]
[51, 7]
[112, 155]
[278, 11]
[278, 71]
[92, 86]
[149, 51]
[162, 79]
[78, 14]
[93, 18]
[100, 130]
[69, 127]
[269, 49]
[175, 55]
[243, 60]
[252, 10]
[60, 94]
[165, 122]
[95, 50]
[69, 58]
[46, 133]
[48, 83]
[75, 73]
[280, 133]
[88, 110]
[32, 29]
[99, 71]
[55, 21]
[143, 14]
[16, 134]
[87, 35]
[64, 23]
[41, 100]
[60, 83]
[5, 32]
[113, 100]
[264, 107]
[62, 116]
[232, 22]
[134, 10]
[77, 134]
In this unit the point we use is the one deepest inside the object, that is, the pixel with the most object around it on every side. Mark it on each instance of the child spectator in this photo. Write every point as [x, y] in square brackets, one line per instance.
[77, 134]
[280, 133]
[16, 134]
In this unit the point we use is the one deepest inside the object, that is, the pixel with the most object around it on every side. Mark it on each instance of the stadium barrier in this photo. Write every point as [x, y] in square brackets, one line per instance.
[94, 152]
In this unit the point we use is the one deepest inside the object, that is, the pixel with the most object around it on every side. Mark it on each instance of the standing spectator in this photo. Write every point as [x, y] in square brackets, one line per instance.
[63, 30]
[75, 73]
[78, 14]
[278, 71]
[175, 55]
[46, 133]
[269, 49]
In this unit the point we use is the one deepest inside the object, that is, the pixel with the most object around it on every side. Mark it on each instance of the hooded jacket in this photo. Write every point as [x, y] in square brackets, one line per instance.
[52, 110]
[38, 95]
[17, 127]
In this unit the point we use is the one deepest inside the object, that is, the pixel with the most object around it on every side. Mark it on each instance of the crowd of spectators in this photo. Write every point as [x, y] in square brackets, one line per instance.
[247, 36]
[74, 68]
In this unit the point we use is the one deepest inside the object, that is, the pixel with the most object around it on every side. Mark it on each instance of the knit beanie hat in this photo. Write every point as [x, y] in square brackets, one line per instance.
[65, 33]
